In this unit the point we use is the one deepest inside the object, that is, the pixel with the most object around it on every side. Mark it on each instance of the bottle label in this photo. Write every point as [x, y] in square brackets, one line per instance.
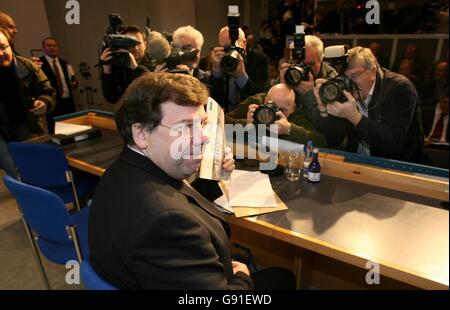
[313, 177]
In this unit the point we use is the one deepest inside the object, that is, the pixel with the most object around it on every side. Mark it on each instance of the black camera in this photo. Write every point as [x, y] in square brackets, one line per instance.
[266, 113]
[116, 41]
[230, 60]
[333, 89]
[180, 56]
[300, 72]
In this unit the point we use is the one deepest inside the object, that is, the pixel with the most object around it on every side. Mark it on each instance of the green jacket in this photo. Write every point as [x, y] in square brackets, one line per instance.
[34, 85]
[301, 128]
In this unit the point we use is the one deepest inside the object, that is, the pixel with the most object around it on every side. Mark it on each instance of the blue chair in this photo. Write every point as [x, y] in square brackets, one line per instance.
[91, 280]
[46, 166]
[60, 236]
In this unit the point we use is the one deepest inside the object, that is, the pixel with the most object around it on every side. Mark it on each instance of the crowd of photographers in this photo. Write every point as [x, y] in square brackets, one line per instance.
[344, 99]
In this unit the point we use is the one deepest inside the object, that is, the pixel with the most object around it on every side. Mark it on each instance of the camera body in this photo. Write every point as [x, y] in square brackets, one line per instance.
[230, 60]
[115, 41]
[266, 113]
[333, 89]
[180, 56]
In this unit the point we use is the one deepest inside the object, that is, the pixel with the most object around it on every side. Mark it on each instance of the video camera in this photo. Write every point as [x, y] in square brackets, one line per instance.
[333, 89]
[230, 61]
[114, 40]
[180, 56]
[300, 72]
[266, 113]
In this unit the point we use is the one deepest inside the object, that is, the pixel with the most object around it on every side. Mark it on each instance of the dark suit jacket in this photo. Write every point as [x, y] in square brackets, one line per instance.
[68, 105]
[394, 126]
[145, 234]
[257, 68]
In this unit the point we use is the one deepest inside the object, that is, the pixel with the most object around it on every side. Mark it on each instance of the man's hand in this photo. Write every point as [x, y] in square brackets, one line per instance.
[106, 56]
[216, 57]
[251, 110]
[240, 69]
[305, 86]
[238, 266]
[283, 69]
[320, 105]
[37, 61]
[228, 161]
[284, 126]
[347, 110]
[133, 63]
[39, 108]
[161, 68]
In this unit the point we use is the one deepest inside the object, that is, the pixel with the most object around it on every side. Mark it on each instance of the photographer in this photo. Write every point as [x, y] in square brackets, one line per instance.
[249, 77]
[116, 78]
[291, 121]
[379, 117]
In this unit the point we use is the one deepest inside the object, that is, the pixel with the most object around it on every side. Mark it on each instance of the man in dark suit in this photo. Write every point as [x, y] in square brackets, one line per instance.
[62, 78]
[380, 118]
[249, 78]
[148, 228]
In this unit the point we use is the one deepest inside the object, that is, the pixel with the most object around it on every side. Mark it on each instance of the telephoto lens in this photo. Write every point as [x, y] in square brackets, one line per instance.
[333, 89]
[266, 114]
[296, 74]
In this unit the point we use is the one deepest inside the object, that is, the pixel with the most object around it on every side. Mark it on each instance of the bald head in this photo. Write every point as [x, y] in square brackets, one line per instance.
[224, 38]
[7, 23]
[284, 97]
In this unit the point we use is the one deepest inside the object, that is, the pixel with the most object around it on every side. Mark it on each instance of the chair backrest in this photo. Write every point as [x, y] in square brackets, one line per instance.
[91, 280]
[43, 211]
[40, 164]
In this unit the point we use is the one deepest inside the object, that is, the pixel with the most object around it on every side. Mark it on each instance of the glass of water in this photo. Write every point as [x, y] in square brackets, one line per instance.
[293, 165]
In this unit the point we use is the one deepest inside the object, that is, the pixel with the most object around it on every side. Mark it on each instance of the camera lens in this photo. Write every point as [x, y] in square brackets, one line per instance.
[264, 115]
[229, 62]
[329, 92]
[294, 75]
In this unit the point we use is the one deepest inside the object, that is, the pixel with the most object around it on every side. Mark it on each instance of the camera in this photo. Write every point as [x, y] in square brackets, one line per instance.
[180, 56]
[333, 89]
[300, 72]
[230, 60]
[266, 113]
[115, 41]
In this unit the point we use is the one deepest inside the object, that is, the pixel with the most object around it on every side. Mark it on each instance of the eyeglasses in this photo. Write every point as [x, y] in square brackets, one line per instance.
[4, 47]
[356, 75]
[186, 130]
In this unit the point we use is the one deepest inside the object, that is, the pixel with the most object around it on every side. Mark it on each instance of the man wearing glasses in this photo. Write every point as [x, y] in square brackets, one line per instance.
[381, 116]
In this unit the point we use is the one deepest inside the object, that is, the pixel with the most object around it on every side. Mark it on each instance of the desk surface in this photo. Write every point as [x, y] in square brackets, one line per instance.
[407, 234]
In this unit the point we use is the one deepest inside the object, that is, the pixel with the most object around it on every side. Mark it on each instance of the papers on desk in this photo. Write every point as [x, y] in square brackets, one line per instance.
[69, 129]
[247, 194]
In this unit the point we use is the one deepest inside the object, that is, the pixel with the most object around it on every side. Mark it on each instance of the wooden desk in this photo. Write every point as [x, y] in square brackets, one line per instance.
[354, 215]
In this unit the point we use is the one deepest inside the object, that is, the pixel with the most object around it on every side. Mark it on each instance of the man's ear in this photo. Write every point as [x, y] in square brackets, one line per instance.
[140, 137]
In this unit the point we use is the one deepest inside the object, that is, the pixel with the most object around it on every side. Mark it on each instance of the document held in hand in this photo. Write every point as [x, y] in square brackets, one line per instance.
[211, 165]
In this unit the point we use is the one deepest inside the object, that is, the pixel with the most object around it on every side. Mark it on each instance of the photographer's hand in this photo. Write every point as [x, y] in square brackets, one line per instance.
[251, 110]
[240, 69]
[283, 69]
[133, 63]
[39, 108]
[106, 56]
[161, 68]
[320, 105]
[305, 86]
[216, 57]
[347, 110]
[284, 126]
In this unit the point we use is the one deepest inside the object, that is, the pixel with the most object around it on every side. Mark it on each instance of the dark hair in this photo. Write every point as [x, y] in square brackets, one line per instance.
[142, 100]
[134, 29]
[47, 38]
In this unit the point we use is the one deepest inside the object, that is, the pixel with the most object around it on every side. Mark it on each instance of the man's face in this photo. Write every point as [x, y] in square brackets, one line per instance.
[312, 60]
[138, 51]
[51, 48]
[440, 72]
[363, 78]
[405, 68]
[6, 54]
[7, 23]
[185, 42]
[180, 133]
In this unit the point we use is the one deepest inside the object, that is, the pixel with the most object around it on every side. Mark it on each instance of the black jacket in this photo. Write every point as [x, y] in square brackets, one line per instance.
[257, 68]
[144, 233]
[394, 126]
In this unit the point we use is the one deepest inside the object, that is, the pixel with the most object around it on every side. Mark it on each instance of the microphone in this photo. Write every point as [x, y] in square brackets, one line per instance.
[158, 48]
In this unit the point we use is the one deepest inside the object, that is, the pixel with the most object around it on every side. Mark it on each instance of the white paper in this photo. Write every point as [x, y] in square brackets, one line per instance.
[69, 129]
[251, 189]
[222, 201]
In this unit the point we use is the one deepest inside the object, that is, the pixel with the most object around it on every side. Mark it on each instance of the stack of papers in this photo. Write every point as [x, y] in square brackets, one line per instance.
[249, 190]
